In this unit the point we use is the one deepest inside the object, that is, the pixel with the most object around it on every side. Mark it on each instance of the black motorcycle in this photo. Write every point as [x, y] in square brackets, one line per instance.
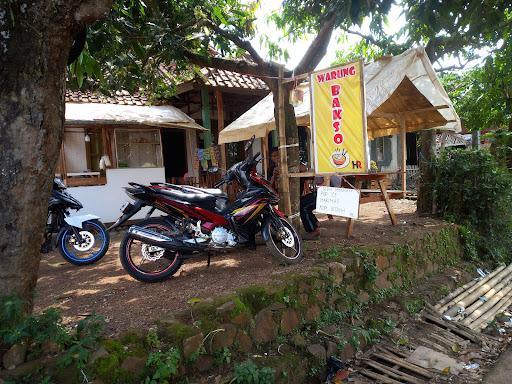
[82, 239]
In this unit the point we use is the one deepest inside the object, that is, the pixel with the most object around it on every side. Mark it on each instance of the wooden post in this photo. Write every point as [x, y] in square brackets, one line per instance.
[206, 117]
[284, 182]
[64, 173]
[220, 126]
[403, 140]
[264, 151]
[384, 193]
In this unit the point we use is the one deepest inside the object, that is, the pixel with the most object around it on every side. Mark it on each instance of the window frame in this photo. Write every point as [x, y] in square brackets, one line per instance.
[149, 129]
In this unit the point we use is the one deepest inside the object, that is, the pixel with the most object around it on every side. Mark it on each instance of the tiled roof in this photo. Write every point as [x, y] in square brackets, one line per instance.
[119, 97]
[222, 78]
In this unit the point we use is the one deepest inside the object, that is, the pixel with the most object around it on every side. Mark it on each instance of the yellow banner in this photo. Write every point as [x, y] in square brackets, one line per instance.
[338, 120]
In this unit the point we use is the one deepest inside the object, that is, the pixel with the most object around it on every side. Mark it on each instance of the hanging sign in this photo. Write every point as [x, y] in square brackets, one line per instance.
[338, 119]
[338, 201]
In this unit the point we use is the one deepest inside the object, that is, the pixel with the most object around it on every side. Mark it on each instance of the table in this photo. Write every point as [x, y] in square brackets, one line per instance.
[379, 178]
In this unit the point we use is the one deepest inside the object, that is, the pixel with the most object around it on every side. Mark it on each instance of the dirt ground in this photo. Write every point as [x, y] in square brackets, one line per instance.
[105, 289]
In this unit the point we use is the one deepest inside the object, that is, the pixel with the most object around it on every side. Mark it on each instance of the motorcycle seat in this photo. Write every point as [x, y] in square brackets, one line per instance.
[210, 191]
[201, 199]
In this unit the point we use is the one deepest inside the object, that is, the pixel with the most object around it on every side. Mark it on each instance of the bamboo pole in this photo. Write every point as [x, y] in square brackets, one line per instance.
[264, 150]
[505, 303]
[491, 308]
[473, 312]
[480, 291]
[404, 155]
[471, 289]
[220, 126]
[284, 182]
[453, 294]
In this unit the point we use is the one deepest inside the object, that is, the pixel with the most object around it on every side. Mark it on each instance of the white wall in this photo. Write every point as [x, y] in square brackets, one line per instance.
[257, 147]
[106, 200]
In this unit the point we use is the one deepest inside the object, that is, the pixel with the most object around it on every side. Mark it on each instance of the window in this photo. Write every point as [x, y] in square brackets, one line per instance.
[79, 162]
[138, 148]
[379, 143]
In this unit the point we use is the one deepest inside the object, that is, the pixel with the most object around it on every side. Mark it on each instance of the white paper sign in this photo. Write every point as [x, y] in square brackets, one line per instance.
[338, 201]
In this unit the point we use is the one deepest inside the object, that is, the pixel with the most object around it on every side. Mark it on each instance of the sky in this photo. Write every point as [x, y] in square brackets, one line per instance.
[296, 51]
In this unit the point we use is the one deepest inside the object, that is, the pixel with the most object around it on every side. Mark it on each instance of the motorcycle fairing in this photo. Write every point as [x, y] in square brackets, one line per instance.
[78, 221]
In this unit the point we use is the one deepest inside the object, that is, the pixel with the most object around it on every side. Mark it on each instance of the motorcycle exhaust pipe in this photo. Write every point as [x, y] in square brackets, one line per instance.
[148, 236]
[159, 240]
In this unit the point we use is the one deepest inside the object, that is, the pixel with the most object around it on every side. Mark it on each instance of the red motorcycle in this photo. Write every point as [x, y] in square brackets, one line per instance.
[200, 220]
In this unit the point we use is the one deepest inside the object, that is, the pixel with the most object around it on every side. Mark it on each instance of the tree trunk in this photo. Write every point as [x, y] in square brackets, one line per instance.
[35, 43]
[292, 150]
[425, 203]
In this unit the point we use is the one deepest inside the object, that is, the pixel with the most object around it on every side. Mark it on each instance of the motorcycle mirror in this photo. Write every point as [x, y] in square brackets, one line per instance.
[249, 144]
[58, 184]
[213, 170]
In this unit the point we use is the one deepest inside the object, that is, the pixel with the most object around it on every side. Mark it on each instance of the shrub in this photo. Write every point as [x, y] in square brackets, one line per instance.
[18, 327]
[249, 373]
[473, 190]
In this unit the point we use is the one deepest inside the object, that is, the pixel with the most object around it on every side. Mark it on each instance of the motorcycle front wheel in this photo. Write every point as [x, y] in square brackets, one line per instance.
[92, 247]
[283, 240]
[148, 263]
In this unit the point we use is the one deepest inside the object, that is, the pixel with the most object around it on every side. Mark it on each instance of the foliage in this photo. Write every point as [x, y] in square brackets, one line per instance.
[138, 37]
[222, 356]
[413, 306]
[473, 190]
[331, 253]
[249, 373]
[150, 44]
[16, 327]
[447, 28]
[83, 341]
[164, 366]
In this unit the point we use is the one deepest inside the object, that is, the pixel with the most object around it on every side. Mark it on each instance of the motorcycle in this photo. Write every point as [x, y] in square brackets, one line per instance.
[200, 220]
[81, 240]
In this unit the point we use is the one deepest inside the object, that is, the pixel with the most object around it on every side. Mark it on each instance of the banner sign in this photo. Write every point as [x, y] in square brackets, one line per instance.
[338, 201]
[338, 119]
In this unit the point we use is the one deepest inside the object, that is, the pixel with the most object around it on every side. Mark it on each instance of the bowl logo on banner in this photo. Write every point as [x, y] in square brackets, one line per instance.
[338, 120]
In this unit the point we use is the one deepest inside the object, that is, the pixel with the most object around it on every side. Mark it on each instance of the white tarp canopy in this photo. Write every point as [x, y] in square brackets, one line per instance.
[394, 85]
[114, 114]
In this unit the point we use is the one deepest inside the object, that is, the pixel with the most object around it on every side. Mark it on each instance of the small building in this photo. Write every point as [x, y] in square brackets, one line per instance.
[215, 98]
[403, 96]
[110, 141]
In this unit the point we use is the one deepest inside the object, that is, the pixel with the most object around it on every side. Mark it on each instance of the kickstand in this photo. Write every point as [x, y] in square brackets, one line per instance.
[209, 258]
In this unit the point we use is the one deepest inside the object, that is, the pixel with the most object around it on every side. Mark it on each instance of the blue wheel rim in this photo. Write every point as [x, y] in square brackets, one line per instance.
[101, 237]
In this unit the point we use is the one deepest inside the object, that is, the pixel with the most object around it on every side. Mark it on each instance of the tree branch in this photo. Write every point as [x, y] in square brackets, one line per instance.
[92, 10]
[266, 69]
[368, 38]
[244, 44]
[318, 47]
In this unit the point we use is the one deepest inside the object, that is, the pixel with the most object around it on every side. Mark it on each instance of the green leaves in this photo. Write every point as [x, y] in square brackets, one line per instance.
[164, 366]
[249, 373]
[474, 191]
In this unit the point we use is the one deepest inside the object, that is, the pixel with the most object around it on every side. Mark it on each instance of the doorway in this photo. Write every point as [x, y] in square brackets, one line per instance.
[174, 148]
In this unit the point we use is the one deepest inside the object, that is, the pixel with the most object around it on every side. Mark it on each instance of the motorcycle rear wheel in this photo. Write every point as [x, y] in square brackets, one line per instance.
[147, 263]
[283, 241]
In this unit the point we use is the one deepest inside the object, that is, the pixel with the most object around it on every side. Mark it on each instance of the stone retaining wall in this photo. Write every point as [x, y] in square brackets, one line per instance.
[282, 317]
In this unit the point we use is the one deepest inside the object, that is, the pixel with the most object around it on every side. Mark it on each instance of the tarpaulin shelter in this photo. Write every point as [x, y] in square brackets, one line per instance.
[397, 87]
[403, 94]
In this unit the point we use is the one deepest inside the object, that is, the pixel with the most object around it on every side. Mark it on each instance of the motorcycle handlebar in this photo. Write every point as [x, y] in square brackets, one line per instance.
[217, 185]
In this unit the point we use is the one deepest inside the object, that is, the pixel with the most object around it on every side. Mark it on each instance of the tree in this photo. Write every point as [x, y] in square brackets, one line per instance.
[35, 38]
[447, 28]
[165, 31]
